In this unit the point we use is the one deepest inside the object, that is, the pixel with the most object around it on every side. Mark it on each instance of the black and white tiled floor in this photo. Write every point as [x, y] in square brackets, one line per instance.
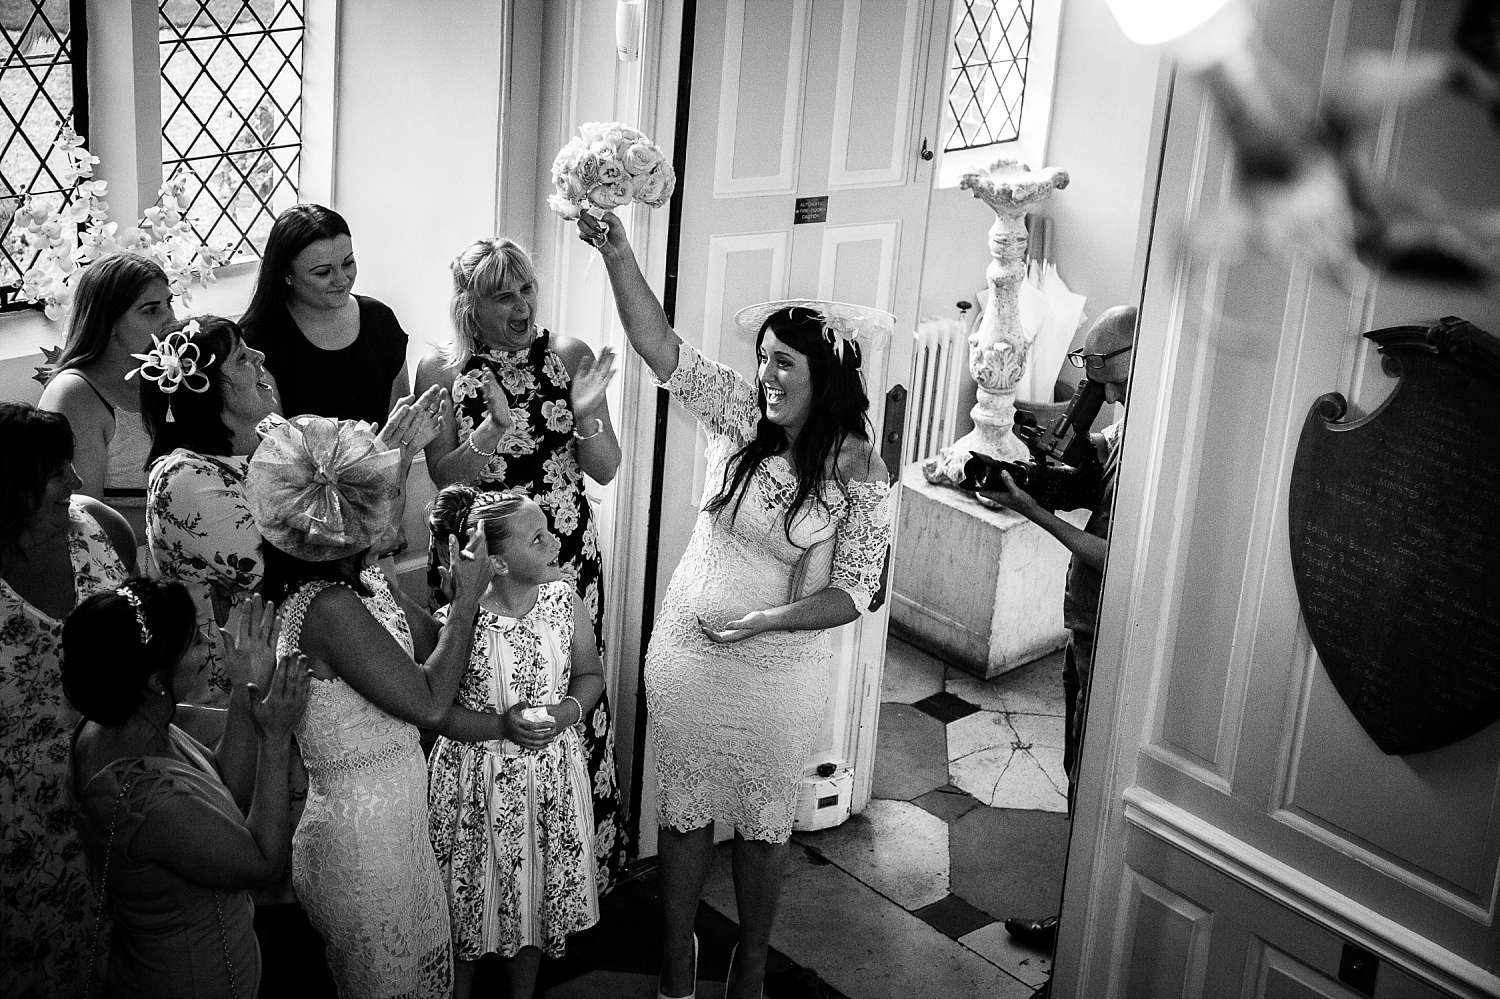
[966, 827]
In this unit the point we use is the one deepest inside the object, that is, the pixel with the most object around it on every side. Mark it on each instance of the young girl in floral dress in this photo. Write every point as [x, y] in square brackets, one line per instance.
[509, 797]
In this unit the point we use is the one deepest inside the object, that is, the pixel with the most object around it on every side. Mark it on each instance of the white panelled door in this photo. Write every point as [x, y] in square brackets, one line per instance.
[792, 100]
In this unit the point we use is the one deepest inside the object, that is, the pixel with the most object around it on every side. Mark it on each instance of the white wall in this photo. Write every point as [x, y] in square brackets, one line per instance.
[1102, 109]
[416, 147]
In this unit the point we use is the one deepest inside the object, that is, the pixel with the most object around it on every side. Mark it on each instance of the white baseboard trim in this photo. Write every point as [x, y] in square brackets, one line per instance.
[1305, 895]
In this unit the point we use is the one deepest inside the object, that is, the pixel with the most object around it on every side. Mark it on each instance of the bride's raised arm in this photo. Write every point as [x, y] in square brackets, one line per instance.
[640, 313]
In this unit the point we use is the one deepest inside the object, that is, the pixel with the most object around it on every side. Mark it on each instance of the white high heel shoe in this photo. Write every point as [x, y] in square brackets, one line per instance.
[730, 973]
[693, 994]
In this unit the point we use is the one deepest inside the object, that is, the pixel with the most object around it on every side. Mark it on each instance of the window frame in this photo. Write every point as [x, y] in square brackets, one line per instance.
[1030, 146]
[184, 47]
[78, 61]
[123, 77]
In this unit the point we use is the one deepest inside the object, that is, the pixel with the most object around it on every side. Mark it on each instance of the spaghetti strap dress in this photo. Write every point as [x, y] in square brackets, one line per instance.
[172, 939]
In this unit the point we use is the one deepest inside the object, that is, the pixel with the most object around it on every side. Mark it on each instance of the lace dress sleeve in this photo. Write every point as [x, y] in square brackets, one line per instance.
[860, 545]
[721, 398]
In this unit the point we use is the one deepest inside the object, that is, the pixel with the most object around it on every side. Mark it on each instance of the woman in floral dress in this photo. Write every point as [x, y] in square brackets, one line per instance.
[56, 550]
[198, 528]
[510, 804]
[529, 414]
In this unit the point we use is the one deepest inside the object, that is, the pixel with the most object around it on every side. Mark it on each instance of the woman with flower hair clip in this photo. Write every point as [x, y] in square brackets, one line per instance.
[790, 542]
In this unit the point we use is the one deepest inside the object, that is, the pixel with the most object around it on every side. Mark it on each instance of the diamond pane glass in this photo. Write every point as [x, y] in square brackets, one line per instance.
[231, 113]
[36, 101]
[987, 72]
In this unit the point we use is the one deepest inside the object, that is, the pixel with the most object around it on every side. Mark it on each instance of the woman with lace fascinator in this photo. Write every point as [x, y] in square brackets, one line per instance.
[322, 493]
[790, 542]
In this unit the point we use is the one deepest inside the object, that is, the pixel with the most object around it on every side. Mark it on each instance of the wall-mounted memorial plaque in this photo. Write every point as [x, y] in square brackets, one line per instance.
[1395, 536]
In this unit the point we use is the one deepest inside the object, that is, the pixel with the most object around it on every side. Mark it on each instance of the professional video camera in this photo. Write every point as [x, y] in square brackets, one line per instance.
[1064, 471]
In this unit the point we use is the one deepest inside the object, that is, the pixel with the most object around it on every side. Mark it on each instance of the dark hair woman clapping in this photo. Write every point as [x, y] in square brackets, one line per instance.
[178, 832]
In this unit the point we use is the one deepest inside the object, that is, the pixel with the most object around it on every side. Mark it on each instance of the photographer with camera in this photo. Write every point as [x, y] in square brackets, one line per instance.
[1105, 359]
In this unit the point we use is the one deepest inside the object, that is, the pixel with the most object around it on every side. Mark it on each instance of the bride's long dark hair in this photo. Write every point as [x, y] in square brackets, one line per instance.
[837, 412]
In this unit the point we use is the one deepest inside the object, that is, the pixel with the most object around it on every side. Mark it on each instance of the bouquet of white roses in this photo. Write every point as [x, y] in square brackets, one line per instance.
[69, 239]
[606, 166]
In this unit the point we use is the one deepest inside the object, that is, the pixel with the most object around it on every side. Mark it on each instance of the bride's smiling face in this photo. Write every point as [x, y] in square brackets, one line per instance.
[785, 382]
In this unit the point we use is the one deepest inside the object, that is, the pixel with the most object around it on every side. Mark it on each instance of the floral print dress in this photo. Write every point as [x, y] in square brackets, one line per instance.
[47, 906]
[201, 534]
[512, 827]
[538, 457]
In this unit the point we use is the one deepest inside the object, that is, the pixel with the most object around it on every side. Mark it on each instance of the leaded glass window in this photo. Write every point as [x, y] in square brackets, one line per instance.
[231, 113]
[987, 81]
[38, 96]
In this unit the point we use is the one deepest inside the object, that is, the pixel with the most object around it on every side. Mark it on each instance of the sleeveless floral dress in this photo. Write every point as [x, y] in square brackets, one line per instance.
[511, 826]
[47, 906]
[538, 457]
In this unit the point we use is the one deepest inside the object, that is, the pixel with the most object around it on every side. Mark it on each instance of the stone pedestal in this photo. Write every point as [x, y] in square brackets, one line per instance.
[981, 588]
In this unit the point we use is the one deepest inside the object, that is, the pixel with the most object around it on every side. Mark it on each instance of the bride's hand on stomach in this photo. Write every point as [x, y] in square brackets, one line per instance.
[753, 623]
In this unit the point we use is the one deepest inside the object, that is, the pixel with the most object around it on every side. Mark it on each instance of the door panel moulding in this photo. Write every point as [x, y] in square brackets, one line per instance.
[887, 234]
[1307, 896]
[1191, 957]
[784, 181]
[893, 173]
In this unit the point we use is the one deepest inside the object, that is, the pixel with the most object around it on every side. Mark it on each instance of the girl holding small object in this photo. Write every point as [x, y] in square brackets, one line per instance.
[529, 413]
[509, 805]
[789, 543]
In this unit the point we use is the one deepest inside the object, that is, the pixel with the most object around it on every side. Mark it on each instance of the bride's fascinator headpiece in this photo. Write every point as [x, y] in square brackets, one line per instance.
[321, 489]
[173, 362]
[844, 325]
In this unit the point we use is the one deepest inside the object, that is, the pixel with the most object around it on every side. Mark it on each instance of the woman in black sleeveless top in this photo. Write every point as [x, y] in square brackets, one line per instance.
[331, 352]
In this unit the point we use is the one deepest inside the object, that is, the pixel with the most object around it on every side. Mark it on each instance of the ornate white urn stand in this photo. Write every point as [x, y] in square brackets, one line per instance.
[998, 346]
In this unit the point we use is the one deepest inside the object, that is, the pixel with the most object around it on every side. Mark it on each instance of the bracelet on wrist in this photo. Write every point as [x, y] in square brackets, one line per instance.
[469, 443]
[598, 429]
[570, 697]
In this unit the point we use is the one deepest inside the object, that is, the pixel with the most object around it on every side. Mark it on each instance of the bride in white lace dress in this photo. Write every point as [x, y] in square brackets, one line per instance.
[790, 542]
[362, 864]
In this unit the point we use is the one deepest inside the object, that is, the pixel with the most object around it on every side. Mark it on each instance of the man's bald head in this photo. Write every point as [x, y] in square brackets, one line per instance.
[1113, 330]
